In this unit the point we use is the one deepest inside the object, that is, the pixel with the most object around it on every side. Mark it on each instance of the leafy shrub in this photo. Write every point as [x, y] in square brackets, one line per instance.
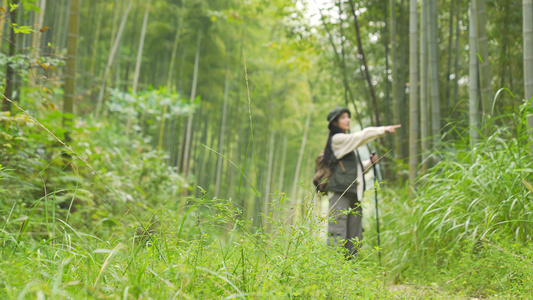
[471, 210]
[206, 250]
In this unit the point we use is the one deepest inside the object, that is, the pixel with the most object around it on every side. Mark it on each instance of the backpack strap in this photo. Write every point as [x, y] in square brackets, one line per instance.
[342, 166]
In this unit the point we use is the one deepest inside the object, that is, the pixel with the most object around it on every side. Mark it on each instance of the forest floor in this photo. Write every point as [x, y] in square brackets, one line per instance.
[406, 291]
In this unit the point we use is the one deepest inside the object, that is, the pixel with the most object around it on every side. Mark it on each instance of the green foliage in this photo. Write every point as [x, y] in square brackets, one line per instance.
[11, 127]
[2, 175]
[470, 217]
[150, 102]
[73, 234]
[27, 66]
[129, 231]
[22, 29]
[204, 250]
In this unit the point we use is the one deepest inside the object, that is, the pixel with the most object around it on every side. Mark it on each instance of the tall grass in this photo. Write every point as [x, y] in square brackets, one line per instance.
[68, 236]
[203, 251]
[470, 217]
[94, 247]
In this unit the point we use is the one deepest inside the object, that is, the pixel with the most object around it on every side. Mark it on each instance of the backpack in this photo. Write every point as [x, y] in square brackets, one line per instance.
[322, 174]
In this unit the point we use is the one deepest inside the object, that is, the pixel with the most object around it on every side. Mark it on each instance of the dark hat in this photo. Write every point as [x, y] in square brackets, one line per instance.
[334, 113]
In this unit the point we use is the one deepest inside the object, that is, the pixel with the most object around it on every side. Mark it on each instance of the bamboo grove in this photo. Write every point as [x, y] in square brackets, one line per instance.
[236, 92]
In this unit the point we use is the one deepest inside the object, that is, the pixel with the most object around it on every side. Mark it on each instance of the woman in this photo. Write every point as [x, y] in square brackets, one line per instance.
[346, 180]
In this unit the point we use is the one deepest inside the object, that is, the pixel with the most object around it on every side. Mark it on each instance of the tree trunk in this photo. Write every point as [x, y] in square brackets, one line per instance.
[268, 182]
[404, 71]
[201, 154]
[212, 159]
[10, 71]
[116, 11]
[222, 126]
[365, 66]
[275, 165]
[162, 126]
[59, 16]
[179, 162]
[111, 58]
[482, 46]
[175, 47]
[299, 163]
[125, 71]
[141, 46]
[457, 53]
[473, 76]
[95, 48]
[247, 149]
[347, 90]
[433, 70]
[413, 90]
[3, 3]
[397, 88]
[305, 206]
[449, 106]
[182, 63]
[282, 167]
[36, 42]
[342, 67]
[387, 99]
[52, 21]
[504, 57]
[139, 62]
[70, 69]
[234, 153]
[19, 45]
[193, 96]
[528, 51]
[424, 120]
[64, 29]
[181, 145]
[235, 136]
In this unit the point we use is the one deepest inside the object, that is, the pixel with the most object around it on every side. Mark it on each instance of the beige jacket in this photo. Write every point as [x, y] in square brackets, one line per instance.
[344, 143]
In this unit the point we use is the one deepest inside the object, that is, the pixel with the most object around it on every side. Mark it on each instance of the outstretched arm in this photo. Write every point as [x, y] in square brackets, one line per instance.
[343, 144]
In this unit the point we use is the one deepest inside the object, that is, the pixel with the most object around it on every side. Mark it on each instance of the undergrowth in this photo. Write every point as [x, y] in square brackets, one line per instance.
[205, 250]
[468, 225]
[122, 228]
[128, 232]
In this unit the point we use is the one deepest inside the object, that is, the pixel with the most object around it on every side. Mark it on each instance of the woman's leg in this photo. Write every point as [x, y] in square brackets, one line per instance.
[338, 227]
[355, 226]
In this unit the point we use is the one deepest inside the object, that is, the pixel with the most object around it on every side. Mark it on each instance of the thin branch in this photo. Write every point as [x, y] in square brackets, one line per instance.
[363, 58]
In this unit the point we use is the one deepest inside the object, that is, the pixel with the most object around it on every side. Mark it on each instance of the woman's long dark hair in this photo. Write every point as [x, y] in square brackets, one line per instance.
[328, 152]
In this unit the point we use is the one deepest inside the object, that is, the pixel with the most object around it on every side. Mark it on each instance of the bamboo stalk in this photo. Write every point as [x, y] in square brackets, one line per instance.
[70, 70]
[175, 46]
[413, 90]
[268, 182]
[141, 47]
[528, 52]
[222, 126]
[482, 45]
[434, 71]
[473, 76]
[193, 96]
[449, 58]
[424, 118]
[10, 71]
[111, 58]
[396, 87]
[365, 65]
[3, 4]
[296, 201]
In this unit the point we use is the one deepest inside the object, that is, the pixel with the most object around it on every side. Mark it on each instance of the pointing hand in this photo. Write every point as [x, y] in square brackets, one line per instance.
[392, 128]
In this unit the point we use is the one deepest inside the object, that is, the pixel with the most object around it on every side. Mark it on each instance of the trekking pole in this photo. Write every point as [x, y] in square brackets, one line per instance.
[377, 212]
